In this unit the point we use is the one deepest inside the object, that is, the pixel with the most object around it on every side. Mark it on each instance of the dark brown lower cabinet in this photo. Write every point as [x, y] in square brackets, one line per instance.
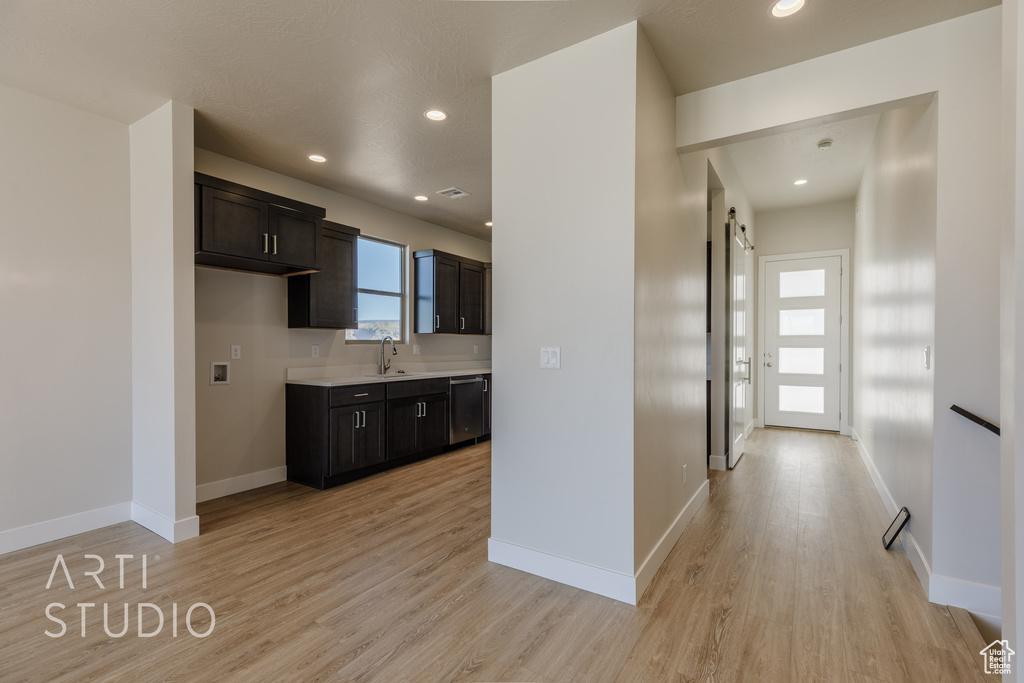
[357, 437]
[337, 434]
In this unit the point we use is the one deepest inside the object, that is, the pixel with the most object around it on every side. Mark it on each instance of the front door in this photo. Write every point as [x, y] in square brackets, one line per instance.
[802, 343]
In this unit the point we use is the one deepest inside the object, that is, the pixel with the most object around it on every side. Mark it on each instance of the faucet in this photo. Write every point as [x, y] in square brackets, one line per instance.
[385, 365]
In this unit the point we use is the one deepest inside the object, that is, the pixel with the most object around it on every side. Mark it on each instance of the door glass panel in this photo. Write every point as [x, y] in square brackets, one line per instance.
[795, 361]
[802, 283]
[802, 322]
[802, 399]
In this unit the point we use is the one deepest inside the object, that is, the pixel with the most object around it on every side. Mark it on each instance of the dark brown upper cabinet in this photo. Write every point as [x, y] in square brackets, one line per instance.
[450, 294]
[327, 300]
[243, 228]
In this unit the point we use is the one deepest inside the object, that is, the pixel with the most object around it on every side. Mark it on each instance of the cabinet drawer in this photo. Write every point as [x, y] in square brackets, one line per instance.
[358, 393]
[418, 387]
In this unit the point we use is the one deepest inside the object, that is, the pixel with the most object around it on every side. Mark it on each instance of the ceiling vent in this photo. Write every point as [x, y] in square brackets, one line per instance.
[453, 193]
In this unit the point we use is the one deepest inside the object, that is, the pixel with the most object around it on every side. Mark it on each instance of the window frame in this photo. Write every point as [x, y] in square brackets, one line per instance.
[403, 323]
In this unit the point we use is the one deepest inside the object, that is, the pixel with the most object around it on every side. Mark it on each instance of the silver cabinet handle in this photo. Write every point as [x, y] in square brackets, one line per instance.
[275, 245]
[437, 324]
[463, 323]
[418, 406]
[424, 409]
[356, 416]
[364, 417]
[358, 395]
[485, 385]
[265, 247]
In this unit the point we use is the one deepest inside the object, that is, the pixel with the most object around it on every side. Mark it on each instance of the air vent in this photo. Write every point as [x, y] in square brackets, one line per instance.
[453, 193]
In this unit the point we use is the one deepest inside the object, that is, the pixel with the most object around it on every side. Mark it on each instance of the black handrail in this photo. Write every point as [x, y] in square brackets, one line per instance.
[974, 418]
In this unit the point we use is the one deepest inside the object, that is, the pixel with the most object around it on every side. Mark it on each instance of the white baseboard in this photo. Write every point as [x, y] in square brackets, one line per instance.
[750, 428]
[604, 582]
[173, 531]
[665, 544]
[62, 527]
[717, 462]
[610, 584]
[943, 590]
[245, 482]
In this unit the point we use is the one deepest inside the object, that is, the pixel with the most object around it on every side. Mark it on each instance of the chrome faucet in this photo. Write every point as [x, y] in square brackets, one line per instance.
[385, 365]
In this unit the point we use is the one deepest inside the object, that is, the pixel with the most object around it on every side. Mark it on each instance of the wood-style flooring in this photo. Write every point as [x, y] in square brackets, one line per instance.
[781, 576]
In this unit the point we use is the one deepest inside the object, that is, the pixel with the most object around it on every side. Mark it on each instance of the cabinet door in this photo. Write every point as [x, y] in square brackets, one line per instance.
[293, 237]
[471, 299]
[371, 434]
[403, 420]
[446, 295]
[345, 435]
[333, 290]
[433, 423]
[234, 225]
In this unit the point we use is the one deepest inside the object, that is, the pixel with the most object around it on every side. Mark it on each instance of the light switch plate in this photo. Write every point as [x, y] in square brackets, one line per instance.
[551, 357]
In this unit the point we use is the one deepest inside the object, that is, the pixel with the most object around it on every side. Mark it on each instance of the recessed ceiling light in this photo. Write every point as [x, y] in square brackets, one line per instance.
[435, 115]
[420, 198]
[317, 158]
[800, 182]
[489, 224]
[785, 8]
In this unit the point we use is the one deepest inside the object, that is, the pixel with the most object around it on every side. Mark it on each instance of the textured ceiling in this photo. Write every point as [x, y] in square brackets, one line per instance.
[273, 81]
[768, 166]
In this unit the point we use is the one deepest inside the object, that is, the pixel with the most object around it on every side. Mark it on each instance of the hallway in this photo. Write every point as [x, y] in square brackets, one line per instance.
[780, 577]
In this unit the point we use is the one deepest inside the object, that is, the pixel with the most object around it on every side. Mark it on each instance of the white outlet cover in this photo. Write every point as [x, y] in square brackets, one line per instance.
[416, 350]
[316, 351]
[236, 352]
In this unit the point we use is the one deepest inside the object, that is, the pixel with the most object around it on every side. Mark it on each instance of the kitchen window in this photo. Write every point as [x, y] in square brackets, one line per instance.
[380, 274]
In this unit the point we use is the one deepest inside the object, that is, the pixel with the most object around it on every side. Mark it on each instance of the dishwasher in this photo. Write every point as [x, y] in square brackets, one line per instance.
[466, 400]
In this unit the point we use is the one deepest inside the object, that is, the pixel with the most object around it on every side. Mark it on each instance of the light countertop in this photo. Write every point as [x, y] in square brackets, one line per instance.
[390, 377]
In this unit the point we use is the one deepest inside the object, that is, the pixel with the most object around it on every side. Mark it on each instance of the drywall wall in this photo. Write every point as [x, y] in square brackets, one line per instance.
[669, 327]
[1012, 330]
[815, 227]
[894, 304]
[163, 337]
[240, 427]
[65, 287]
[564, 152]
[861, 80]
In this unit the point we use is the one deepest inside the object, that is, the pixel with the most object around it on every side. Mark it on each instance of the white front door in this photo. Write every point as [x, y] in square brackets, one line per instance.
[740, 411]
[802, 343]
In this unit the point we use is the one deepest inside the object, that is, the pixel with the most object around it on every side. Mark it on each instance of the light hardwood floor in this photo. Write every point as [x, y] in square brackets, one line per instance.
[780, 576]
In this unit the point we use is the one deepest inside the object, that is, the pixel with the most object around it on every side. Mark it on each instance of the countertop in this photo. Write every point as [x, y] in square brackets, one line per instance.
[390, 377]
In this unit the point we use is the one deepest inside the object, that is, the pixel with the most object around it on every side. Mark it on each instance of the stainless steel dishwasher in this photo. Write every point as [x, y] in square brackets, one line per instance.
[466, 398]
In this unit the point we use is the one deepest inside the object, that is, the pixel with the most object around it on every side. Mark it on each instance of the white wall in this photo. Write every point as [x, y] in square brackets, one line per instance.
[65, 293]
[240, 427]
[668, 335]
[163, 348]
[815, 227]
[966, 79]
[564, 155]
[1012, 332]
[894, 304]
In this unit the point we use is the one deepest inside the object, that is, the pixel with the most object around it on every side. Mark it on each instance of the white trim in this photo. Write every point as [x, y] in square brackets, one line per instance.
[62, 527]
[942, 590]
[750, 429]
[664, 546]
[610, 584]
[173, 531]
[717, 462]
[604, 582]
[244, 482]
[844, 330]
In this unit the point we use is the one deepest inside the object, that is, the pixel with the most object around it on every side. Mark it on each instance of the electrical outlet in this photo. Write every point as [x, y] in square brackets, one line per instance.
[476, 348]
[236, 352]
[316, 351]
[684, 474]
[416, 350]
